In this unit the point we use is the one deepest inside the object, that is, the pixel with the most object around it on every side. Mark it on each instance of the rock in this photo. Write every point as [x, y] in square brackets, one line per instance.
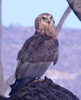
[43, 90]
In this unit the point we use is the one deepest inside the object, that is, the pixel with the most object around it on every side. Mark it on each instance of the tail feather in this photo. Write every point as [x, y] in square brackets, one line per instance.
[19, 84]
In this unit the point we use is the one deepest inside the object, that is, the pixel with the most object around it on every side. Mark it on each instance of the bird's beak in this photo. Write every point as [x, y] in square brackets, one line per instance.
[48, 20]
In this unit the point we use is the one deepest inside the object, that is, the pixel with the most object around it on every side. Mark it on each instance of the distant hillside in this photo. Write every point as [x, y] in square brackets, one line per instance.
[67, 72]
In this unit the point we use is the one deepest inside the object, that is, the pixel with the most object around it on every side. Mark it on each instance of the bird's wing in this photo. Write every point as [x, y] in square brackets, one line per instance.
[24, 65]
[47, 51]
[30, 45]
[31, 70]
[36, 56]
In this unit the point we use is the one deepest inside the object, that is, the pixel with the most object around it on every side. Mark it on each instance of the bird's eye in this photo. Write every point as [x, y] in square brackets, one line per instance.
[44, 18]
[51, 17]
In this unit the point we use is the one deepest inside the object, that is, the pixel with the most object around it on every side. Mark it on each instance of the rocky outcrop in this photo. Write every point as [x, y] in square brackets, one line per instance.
[42, 90]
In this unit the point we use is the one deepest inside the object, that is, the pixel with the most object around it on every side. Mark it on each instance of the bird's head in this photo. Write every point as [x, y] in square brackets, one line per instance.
[44, 23]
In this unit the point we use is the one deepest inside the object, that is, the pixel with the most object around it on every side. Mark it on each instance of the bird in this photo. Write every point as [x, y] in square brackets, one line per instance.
[37, 52]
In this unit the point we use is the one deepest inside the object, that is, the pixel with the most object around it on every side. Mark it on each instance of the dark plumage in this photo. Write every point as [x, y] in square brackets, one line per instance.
[37, 52]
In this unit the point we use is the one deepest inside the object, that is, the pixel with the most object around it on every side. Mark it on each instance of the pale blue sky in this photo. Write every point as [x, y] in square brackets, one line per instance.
[23, 12]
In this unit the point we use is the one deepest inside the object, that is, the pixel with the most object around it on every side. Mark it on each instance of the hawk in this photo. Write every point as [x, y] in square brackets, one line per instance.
[37, 52]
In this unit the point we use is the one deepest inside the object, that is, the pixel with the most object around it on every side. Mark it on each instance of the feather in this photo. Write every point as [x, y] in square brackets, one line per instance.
[34, 70]
[19, 84]
[37, 56]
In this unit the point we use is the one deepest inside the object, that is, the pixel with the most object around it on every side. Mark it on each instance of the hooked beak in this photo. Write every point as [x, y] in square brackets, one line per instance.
[48, 20]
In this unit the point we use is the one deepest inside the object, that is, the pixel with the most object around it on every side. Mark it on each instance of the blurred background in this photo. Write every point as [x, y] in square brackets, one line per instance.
[18, 18]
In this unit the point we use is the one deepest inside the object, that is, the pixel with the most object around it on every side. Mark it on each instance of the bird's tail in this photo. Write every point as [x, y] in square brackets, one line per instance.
[15, 87]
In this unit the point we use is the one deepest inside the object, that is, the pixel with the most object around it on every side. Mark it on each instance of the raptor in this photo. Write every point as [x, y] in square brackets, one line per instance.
[37, 52]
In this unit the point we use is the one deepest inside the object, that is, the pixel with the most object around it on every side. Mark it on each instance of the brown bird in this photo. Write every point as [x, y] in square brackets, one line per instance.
[37, 52]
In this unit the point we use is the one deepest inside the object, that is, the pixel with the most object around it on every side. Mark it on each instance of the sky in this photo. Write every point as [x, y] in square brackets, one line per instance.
[24, 12]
